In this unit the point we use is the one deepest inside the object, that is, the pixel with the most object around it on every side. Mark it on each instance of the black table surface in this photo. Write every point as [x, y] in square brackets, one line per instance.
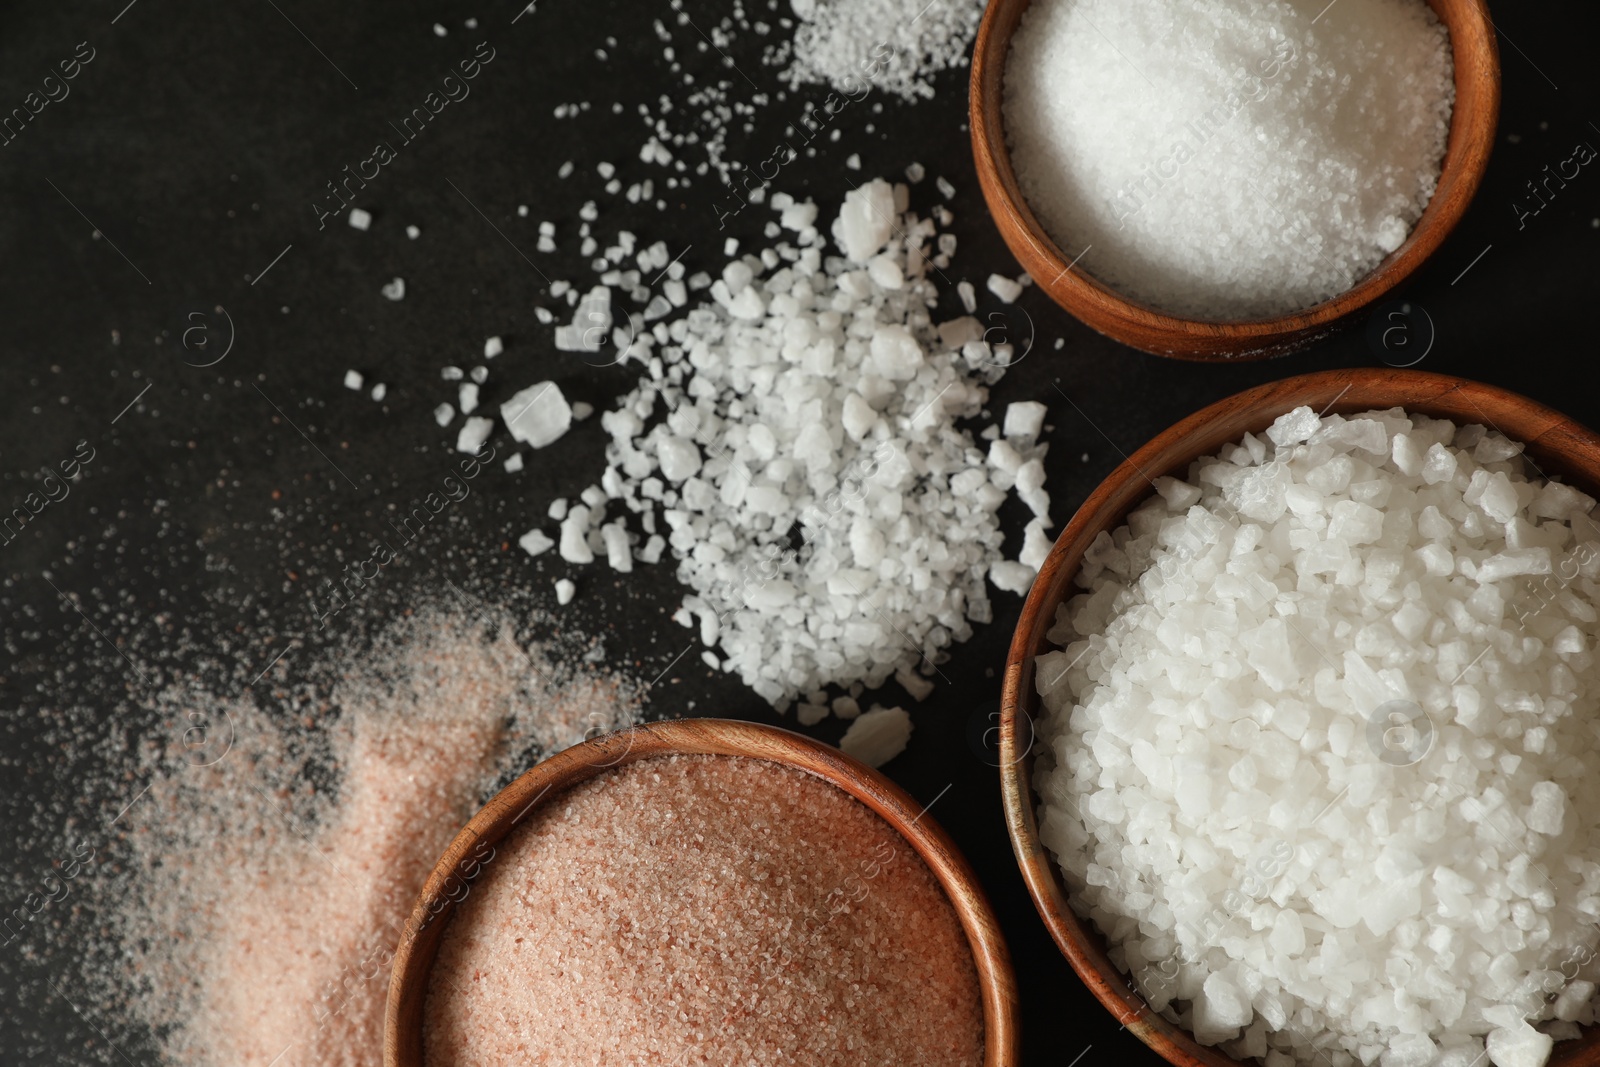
[180, 175]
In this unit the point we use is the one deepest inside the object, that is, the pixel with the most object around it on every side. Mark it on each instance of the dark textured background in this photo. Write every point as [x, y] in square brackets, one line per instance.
[198, 138]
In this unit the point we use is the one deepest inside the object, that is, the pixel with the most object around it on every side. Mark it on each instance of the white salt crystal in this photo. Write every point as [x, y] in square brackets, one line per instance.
[618, 553]
[493, 347]
[1547, 812]
[1012, 577]
[474, 432]
[535, 542]
[565, 591]
[678, 458]
[1036, 545]
[513, 463]
[866, 219]
[877, 736]
[443, 414]
[1518, 1046]
[395, 290]
[538, 415]
[1025, 419]
[352, 380]
[380, 391]
[467, 401]
[1004, 288]
[413, 232]
[969, 296]
[574, 545]
[359, 219]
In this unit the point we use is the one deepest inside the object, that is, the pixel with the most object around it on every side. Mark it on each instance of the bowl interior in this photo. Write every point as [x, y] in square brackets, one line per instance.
[469, 854]
[1472, 131]
[1555, 443]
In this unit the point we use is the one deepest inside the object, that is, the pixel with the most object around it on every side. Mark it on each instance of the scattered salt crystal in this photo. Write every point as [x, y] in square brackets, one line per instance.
[359, 219]
[877, 736]
[493, 347]
[1012, 577]
[538, 415]
[380, 391]
[395, 290]
[353, 380]
[443, 414]
[1024, 419]
[565, 591]
[513, 463]
[467, 399]
[474, 432]
[853, 161]
[413, 232]
[969, 296]
[1004, 288]
[535, 542]
[452, 374]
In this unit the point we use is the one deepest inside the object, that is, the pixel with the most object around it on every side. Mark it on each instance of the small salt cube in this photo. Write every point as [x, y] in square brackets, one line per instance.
[443, 414]
[395, 290]
[467, 399]
[538, 415]
[413, 232]
[513, 463]
[565, 591]
[1025, 419]
[359, 219]
[493, 347]
[380, 391]
[352, 380]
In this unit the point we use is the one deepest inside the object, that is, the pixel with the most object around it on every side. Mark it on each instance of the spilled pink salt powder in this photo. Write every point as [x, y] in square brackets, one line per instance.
[705, 910]
[271, 901]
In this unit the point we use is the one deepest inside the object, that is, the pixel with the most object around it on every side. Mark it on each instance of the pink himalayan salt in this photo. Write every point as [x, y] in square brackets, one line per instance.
[705, 910]
[272, 909]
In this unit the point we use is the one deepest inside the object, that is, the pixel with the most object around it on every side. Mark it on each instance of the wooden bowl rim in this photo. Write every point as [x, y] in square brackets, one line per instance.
[553, 776]
[1559, 443]
[1473, 38]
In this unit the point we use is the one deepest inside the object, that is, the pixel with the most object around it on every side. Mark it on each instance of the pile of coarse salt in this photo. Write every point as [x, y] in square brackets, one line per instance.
[1229, 158]
[795, 444]
[1320, 756]
[260, 893]
[894, 45]
[705, 910]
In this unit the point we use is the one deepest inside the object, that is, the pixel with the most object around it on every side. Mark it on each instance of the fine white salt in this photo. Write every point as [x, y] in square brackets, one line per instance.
[1228, 158]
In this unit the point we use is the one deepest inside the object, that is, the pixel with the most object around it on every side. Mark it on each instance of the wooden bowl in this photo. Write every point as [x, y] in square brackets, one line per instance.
[1555, 443]
[461, 864]
[1472, 130]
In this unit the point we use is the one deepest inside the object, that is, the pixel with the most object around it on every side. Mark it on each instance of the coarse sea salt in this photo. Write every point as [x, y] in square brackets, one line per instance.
[1318, 751]
[1228, 158]
[797, 436]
